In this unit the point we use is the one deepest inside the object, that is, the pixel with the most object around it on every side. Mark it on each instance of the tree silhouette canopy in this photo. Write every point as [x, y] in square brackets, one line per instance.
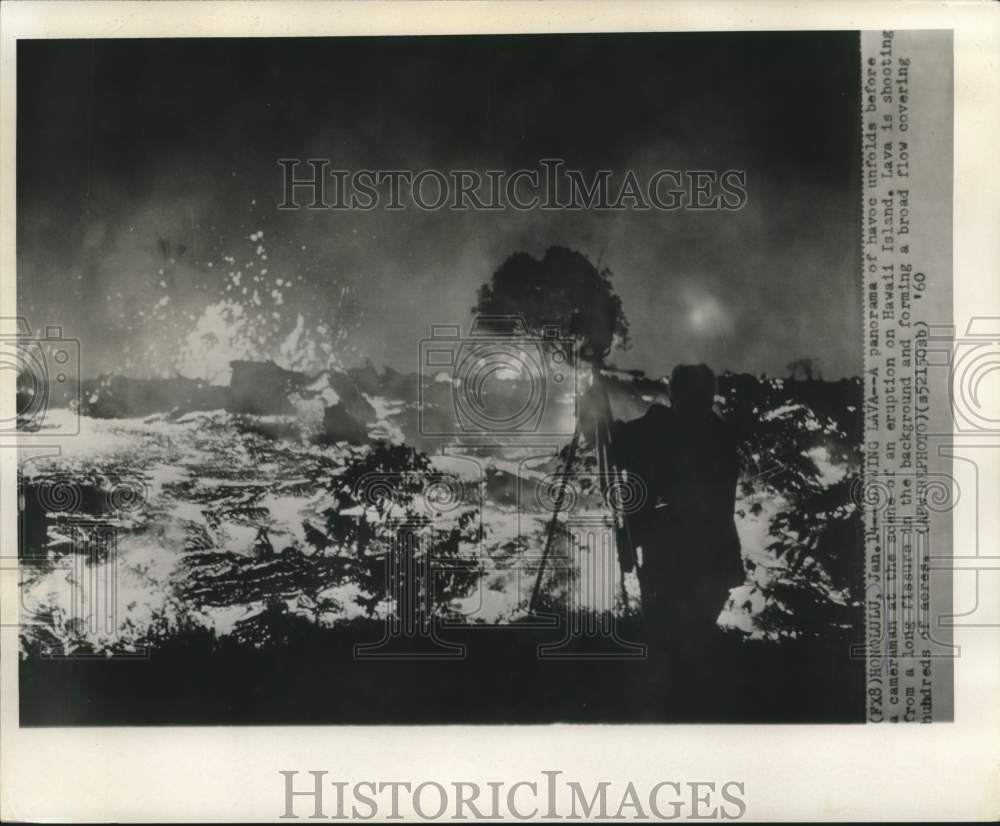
[805, 368]
[564, 288]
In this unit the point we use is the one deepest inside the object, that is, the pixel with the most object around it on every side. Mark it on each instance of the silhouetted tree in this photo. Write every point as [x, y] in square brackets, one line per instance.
[804, 369]
[564, 287]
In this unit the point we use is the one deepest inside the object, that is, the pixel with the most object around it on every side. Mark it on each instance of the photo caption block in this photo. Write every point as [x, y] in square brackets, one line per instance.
[908, 490]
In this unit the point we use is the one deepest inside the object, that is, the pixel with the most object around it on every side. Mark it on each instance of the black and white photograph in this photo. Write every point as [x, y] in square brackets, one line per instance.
[441, 379]
[485, 410]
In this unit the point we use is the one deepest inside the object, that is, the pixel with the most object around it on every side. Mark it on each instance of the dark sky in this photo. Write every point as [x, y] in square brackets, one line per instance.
[140, 164]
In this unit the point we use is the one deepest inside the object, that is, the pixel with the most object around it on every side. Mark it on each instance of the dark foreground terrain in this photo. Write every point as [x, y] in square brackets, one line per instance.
[316, 680]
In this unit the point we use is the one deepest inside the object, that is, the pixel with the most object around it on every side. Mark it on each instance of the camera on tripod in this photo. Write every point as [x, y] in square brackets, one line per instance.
[47, 374]
[501, 379]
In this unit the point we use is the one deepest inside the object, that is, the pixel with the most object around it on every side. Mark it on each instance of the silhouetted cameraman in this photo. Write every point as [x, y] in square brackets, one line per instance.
[686, 455]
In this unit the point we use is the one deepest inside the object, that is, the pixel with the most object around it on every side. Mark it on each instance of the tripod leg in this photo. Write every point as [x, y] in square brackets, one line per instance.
[609, 475]
[592, 629]
[627, 555]
[553, 522]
